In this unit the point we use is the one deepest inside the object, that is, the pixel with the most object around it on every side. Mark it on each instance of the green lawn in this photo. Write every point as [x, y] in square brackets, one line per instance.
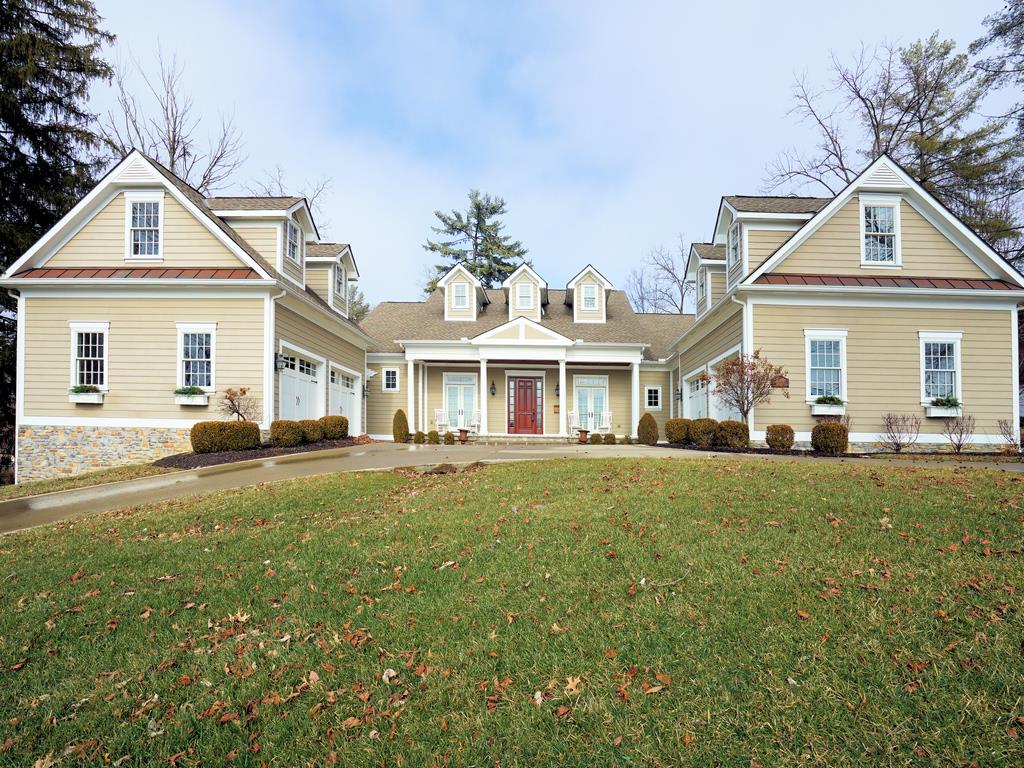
[35, 487]
[574, 612]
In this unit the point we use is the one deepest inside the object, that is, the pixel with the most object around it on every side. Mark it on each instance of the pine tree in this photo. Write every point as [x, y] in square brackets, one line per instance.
[475, 240]
[49, 56]
[358, 307]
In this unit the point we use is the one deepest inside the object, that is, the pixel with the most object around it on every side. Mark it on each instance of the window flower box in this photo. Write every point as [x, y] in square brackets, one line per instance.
[827, 409]
[203, 399]
[943, 411]
[90, 398]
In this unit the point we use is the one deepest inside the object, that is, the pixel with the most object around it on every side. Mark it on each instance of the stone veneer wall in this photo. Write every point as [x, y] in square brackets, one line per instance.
[45, 452]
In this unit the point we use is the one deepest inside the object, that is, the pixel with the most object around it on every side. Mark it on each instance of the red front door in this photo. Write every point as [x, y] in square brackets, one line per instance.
[525, 406]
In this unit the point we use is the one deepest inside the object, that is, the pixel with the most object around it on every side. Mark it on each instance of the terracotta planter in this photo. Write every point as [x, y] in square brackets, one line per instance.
[584, 435]
[463, 436]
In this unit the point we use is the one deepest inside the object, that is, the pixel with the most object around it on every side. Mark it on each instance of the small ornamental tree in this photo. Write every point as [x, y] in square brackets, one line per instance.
[745, 381]
[240, 404]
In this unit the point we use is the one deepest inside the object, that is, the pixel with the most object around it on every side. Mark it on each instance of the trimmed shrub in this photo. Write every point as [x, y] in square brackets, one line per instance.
[647, 430]
[213, 436]
[400, 427]
[609, 439]
[285, 433]
[449, 438]
[419, 438]
[830, 437]
[779, 437]
[702, 432]
[625, 440]
[677, 431]
[732, 434]
[433, 437]
[312, 432]
[334, 427]
[595, 439]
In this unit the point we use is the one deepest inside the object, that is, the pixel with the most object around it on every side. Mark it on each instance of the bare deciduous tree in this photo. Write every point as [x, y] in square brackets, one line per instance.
[238, 403]
[958, 430]
[745, 381]
[659, 283]
[901, 430]
[1010, 434]
[274, 184]
[163, 125]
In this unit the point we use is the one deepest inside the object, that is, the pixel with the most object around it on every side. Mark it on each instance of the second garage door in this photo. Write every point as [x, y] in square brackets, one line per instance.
[300, 388]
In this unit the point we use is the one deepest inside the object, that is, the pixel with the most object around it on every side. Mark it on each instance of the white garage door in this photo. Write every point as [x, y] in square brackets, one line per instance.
[343, 398]
[299, 388]
[697, 399]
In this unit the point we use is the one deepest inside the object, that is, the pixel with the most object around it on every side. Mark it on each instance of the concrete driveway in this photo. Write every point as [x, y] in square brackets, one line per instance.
[31, 511]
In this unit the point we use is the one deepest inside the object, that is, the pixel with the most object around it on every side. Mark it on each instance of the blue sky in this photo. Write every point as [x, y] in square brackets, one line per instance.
[609, 128]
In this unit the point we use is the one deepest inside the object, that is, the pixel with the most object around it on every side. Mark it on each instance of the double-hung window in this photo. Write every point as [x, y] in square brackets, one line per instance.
[702, 288]
[89, 354]
[826, 364]
[196, 345]
[460, 295]
[524, 296]
[590, 297]
[940, 365]
[734, 244]
[293, 244]
[389, 380]
[880, 231]
[144, 219]
[341, 288]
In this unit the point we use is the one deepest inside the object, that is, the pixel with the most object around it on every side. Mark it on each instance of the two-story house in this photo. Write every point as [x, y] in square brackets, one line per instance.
[878, 297]
[522, 359]
[146, 287]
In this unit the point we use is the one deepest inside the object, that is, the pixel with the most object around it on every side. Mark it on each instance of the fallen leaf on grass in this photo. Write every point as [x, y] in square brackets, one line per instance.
[572, 686]
[562, 711]
[350, 722]
[146, 613]
[803, 615]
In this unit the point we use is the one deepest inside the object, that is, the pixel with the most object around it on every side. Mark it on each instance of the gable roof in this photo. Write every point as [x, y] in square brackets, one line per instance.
[524, 267]
[886, 175]
[252, 203]
[325, 250]
[776, 203]
[391, 321]
[709, 251]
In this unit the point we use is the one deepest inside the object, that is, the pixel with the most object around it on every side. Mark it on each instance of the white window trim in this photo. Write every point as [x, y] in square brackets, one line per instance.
[520, 304]
[647, 390]
[384, 380]
[590, 289]
[340, 274]
[210, 328]
[77, 327]
[456, 303]
[299, 241]
[143, 196]
[734, 237]
[890, 201]
[956, 338]
[825, 334]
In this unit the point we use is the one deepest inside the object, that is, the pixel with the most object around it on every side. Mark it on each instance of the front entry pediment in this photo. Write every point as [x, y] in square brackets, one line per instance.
[522, 332]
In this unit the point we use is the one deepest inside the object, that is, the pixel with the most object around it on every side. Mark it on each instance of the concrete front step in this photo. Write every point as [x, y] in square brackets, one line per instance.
[522, 440]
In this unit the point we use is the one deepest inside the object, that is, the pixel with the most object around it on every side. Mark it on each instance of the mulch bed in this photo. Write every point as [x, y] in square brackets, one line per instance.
[196, 460]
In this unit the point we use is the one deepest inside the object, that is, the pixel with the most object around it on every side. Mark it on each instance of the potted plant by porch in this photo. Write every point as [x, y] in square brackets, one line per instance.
[191, 396]
[944, 408]
[584, 436]
[463, 435]
[828, 405]
[85, 393]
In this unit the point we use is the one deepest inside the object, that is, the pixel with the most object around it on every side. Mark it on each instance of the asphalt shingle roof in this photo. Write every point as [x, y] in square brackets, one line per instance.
[710, 251]
[251, 203]
[325, 249]
[395, 320]
[777, 204]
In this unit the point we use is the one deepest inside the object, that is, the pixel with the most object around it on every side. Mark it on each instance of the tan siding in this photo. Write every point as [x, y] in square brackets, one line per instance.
[656, 379]
[292, 269]
[293, 327]
[835, 249]
[532, 314]
[381, 406]
[142, 353]
[458, 313]
[101, 242]
[883, 360]
[735, 272]
[264, 238]
[318, 278]
[725, 335]
[762, 243]
[717, 285]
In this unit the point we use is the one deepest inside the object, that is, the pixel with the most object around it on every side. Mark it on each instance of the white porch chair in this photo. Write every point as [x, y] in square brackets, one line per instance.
[441, 420]
[574, 423]
[605, 423]
[474, 424]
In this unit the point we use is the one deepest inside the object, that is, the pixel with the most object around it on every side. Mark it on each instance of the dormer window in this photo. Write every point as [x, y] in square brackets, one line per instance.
[589, 297]
[460, 295]
[144, 213]
[880, 231]
[294, 245]
[341, 286]
[734, 244]
[524, 296]
[701, 286]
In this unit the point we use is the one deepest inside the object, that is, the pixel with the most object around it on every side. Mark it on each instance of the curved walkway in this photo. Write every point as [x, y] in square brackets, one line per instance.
[30, 511]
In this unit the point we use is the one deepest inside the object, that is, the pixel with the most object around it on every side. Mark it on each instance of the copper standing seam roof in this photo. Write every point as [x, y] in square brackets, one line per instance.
[133, 273]
[886, 281]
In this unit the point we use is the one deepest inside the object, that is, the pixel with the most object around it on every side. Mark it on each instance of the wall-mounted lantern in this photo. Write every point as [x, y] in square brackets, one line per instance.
[494, 390]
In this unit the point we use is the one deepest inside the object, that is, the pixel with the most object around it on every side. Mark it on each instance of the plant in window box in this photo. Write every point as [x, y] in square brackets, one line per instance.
[945, 407]
[828, 405]
[85, 393]
[191, 396]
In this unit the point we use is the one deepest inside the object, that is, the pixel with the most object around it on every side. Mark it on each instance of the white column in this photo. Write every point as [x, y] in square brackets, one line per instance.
[671, 397]
[410, 380]
[636, 398]
[563, 398]
[483, 397]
